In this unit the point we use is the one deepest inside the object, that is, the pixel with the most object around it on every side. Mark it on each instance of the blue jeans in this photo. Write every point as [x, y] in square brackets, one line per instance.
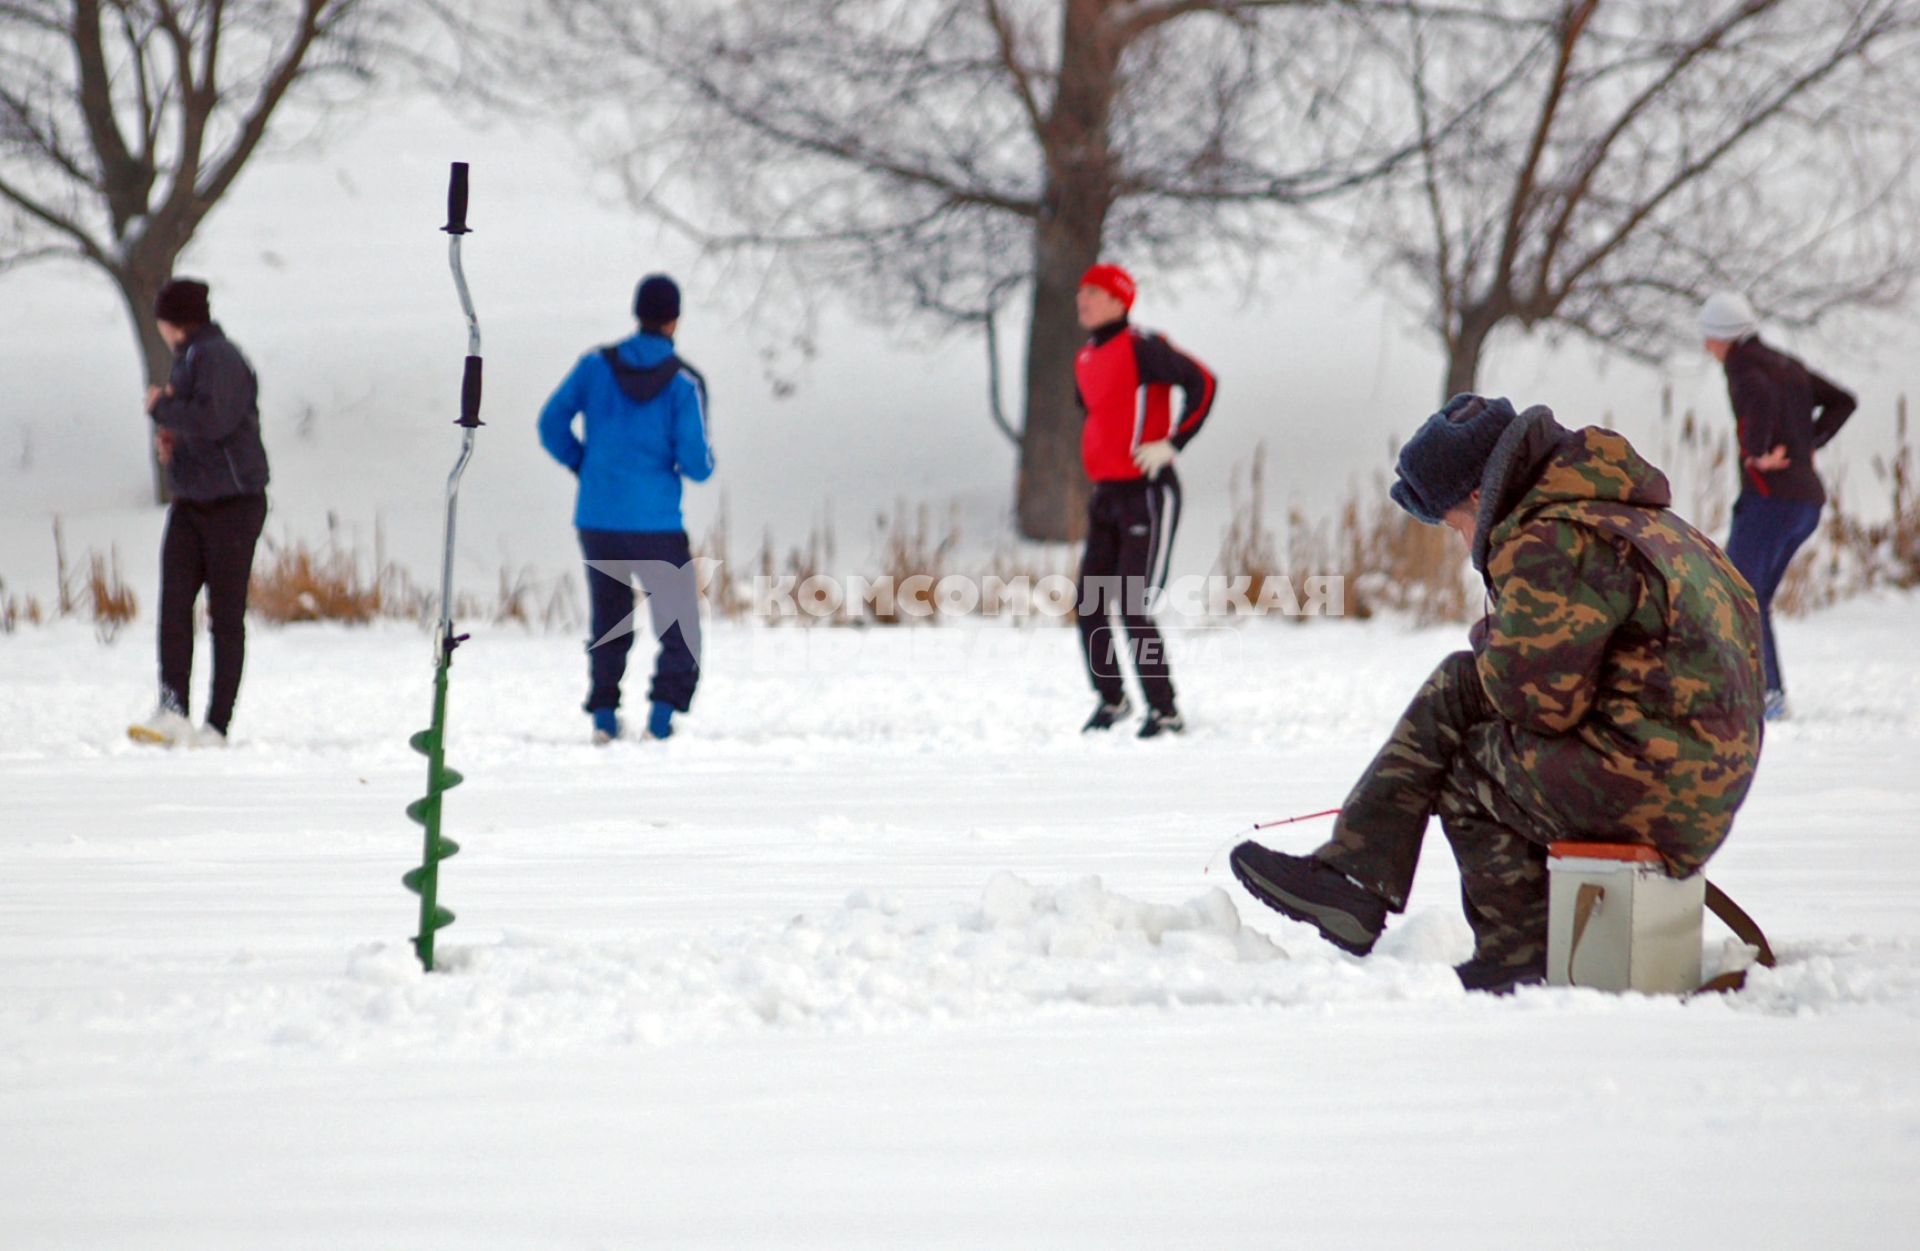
[662, 562]
[1766, 534]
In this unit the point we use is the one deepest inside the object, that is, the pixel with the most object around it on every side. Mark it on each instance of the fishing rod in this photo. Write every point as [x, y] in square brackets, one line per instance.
[1257, 826]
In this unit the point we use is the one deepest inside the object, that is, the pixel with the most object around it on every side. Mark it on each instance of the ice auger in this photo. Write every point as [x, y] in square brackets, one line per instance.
[431, 742]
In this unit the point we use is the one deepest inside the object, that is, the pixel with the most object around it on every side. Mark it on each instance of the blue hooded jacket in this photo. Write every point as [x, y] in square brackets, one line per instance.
[643, 429]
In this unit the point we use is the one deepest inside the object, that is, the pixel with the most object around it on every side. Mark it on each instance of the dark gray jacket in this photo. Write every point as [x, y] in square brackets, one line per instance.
[1775, 402]
[214, 414]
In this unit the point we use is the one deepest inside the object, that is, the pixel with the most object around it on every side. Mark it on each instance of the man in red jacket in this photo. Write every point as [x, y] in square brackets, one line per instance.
[1125, 378]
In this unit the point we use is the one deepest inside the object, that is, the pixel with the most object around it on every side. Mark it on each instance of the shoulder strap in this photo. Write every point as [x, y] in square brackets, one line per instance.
[700, 384]
[1744, 928]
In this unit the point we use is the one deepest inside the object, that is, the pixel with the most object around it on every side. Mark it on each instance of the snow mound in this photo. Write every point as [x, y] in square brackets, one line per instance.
[863, 966]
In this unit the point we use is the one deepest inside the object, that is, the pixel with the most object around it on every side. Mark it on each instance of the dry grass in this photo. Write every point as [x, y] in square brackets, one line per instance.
[1390, 562]
[915, 552]
[112, 600]
[292, 582]
[16, 609]
[295, 581]
[524, 598]
[109, 602]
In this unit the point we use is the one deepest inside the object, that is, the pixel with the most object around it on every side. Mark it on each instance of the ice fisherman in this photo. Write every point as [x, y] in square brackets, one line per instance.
[206, 431]
[1782, 412]
[1612, 693]
[1124, 378]
[643, 428]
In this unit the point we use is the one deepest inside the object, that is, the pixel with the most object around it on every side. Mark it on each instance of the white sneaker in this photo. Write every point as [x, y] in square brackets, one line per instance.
[165, 726]
[207, 736]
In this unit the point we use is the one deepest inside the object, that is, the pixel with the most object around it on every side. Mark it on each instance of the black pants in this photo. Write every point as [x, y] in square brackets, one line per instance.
[662, 562]
[209, 543]
[1130, 527]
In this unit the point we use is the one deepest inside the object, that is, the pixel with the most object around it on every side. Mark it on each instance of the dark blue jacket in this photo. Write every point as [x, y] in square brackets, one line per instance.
[214, 415]
[643, 428]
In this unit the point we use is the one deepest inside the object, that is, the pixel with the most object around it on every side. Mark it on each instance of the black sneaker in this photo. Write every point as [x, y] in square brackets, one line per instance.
[1158, 723]
[1106, 716]
[1347, 915]
[1500, 979]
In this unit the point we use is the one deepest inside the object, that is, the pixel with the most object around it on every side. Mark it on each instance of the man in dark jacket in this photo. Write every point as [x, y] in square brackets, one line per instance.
[207, 433]
[643, 428]
[1783, 411]
[1124, 379]
[1612, 695]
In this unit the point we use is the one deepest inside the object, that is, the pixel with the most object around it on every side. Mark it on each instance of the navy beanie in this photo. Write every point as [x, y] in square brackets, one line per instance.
[183, 302]
[657, 299]
[1442, 463]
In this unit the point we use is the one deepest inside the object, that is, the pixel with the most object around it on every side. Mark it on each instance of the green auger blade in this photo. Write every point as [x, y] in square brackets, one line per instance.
[422, 742]
[417, 810]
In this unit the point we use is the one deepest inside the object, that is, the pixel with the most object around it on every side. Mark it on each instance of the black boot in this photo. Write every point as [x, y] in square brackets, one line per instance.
[1347, 915]
[1500, 979]
[1106, 716]
[1159, 722]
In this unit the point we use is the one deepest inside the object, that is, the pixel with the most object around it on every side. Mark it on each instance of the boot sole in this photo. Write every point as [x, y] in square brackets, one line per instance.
[152, 738]
[1336, 925]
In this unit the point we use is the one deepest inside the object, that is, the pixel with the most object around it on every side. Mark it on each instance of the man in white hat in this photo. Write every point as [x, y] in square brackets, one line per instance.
[1783, 411]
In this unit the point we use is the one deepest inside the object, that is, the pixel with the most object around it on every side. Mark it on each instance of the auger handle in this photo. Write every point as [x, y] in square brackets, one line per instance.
[470, 394]
[457, 200]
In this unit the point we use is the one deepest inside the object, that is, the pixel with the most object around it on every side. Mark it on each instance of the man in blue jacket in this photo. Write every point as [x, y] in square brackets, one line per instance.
[643, 427]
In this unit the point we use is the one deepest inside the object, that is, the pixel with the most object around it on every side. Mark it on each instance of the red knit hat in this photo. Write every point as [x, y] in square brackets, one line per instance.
[1112, 279]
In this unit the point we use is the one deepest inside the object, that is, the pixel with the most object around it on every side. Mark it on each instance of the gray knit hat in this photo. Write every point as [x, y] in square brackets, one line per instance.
[1442, 463]
[1726, 315]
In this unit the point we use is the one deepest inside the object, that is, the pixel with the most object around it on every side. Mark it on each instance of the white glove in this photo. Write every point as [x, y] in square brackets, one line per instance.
[1153, 457]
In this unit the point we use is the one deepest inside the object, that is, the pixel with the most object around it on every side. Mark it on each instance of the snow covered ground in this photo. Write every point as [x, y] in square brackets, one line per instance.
[880, 952]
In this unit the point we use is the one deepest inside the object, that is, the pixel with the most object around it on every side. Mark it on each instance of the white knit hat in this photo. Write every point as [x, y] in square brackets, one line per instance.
[1727, 315]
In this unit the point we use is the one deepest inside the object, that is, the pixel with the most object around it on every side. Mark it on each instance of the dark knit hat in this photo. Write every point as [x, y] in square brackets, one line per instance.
[1442, 463]
[657, 299]
[183, 302]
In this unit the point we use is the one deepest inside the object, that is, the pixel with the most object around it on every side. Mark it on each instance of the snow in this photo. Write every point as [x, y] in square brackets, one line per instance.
[879, 951]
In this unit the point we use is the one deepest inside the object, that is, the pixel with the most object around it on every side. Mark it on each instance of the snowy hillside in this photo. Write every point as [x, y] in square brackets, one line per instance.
[880, 952]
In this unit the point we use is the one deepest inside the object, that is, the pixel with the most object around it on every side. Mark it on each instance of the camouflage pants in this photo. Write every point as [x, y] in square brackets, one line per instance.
[1451, 756]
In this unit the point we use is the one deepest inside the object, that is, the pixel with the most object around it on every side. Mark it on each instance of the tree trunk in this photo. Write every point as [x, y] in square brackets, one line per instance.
[138, 287]
[1053, 489]
[1464, 349]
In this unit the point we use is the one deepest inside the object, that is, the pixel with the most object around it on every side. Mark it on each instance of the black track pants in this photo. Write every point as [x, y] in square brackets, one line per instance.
[209, 543]
[1130, 528]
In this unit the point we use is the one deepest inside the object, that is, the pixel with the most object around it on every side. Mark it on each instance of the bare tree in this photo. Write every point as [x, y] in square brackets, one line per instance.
[936, 159]
[124, 122]
[1625, 157]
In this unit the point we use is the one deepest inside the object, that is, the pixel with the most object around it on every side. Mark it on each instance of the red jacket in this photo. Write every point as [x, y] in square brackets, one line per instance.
[1125, 378]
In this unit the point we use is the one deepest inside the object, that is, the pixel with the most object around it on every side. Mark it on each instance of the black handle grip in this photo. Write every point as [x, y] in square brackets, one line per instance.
[470, 394]
[457, 200]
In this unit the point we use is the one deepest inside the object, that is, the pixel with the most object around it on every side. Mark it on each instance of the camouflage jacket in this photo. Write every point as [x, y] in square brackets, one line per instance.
[1622, 649]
